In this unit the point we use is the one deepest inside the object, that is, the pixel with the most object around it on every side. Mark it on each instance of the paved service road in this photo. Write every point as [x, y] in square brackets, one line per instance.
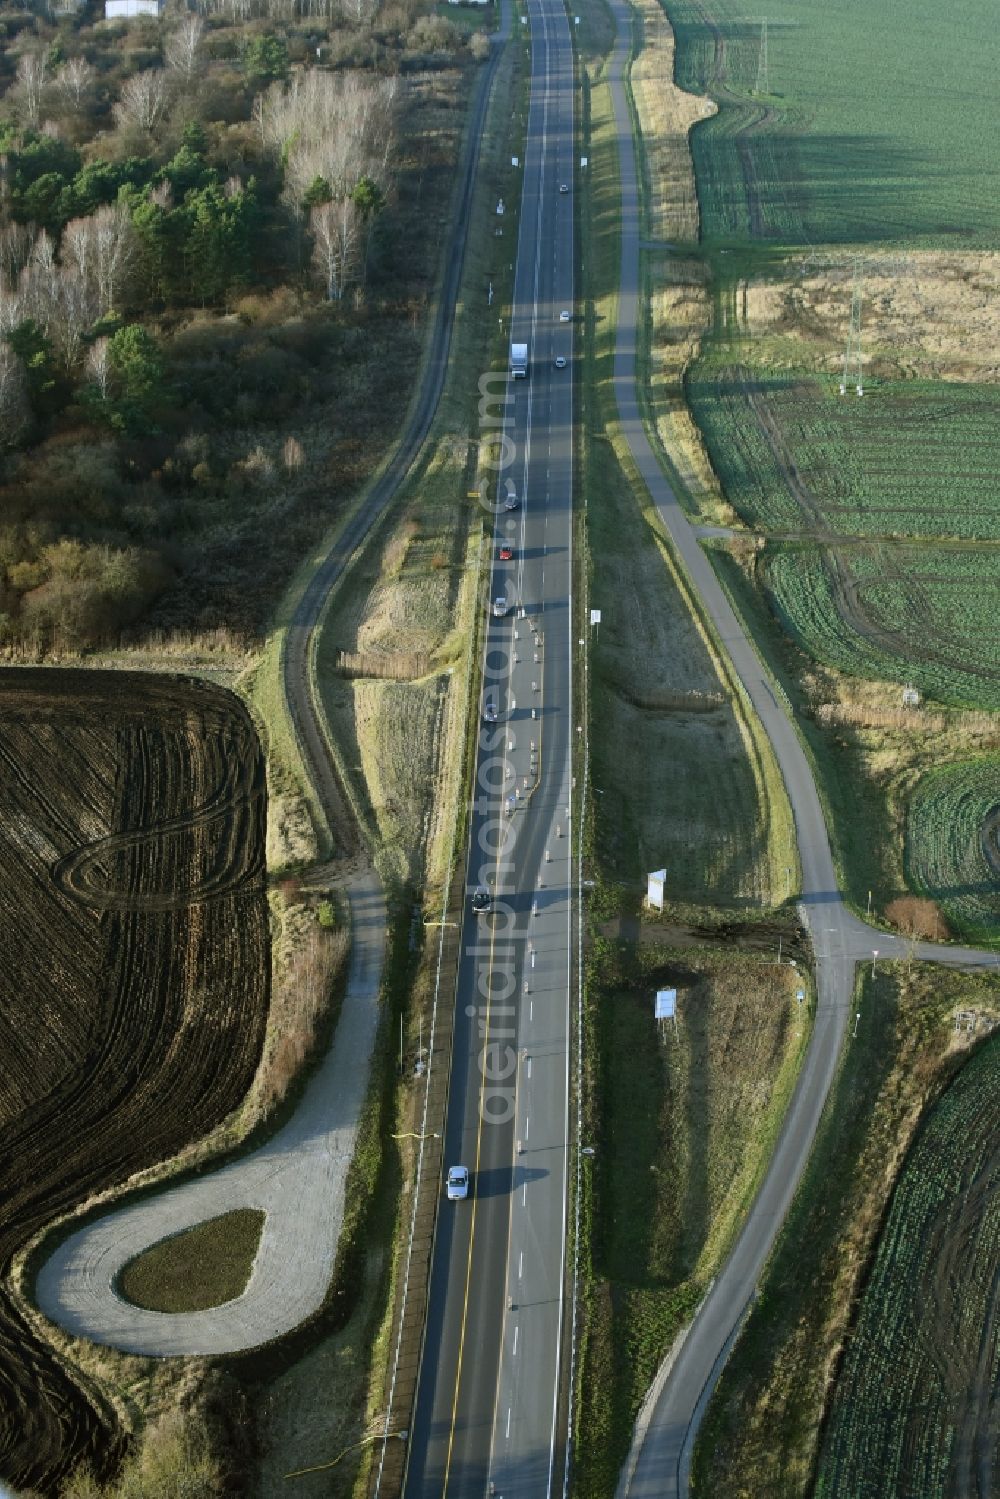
[297, 1178]
[839, 939]
[487, 1406]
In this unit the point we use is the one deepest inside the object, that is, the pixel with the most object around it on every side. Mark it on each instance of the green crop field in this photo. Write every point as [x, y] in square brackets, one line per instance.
[912, 458]
[913, 1411]
[872, 127]
[952, 849]
[906, 614]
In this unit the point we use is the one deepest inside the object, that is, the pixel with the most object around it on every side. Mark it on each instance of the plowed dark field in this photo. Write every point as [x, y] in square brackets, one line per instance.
[134, 984]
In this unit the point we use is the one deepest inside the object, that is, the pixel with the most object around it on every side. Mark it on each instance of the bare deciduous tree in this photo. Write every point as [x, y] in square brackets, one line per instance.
[336, 244]
[144, 99]
[32, 76]
[74, 80]
[183, 47]
[75, 309]
[13, 396]
[15, 250]
[293, 454]
[102, 249]
[99, 366]
[338, 126]
[11, 312]
[37, 283]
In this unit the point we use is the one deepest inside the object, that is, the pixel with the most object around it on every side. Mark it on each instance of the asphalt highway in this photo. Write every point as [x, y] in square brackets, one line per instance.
[487, 1407]
[839, 939]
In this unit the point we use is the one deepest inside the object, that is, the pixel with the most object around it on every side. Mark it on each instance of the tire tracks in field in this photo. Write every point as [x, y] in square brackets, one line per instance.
[846, 585]
[297, 1178]
[79, 873]
[755, 118]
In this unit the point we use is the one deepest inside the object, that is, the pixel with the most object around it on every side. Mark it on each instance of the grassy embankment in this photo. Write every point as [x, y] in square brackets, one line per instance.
[762, 1430]
[682, 1121]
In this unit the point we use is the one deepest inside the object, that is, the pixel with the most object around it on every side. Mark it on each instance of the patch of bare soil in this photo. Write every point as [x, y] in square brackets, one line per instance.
[135, 984]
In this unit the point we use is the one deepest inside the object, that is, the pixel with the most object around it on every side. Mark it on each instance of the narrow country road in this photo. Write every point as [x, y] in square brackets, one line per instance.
[297, 1178]
[661, 1456]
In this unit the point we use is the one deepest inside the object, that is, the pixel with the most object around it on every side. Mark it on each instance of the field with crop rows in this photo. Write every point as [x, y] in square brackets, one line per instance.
[953, 844]
[869, 131]
[911, 458]
[135, 979]
[914, 1407]
[909, 615]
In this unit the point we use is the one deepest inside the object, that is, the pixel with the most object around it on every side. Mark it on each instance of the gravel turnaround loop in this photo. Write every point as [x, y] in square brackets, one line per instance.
[297, 1178]
[659, 1464]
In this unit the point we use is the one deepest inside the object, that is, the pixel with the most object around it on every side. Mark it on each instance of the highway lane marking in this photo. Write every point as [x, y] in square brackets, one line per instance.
[479, 1147]
[548, 95]
[472, 1235]
[516, 1331]
[508, 1299]
[520, 1264]
[541, 722]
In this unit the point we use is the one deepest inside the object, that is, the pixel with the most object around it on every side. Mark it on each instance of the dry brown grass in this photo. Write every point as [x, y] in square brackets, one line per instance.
[918, 917]
[666, 115]
[679, 312]
[891, 746]
[939, 316]
[308, 961]
[678, 295]
[394, 657]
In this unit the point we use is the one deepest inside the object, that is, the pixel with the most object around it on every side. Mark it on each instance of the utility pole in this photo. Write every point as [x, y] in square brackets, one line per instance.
[852, 354]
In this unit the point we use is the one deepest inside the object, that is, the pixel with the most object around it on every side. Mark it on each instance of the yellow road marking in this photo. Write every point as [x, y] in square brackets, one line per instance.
[472, 1239]
[475, 1195]
[479, 1135]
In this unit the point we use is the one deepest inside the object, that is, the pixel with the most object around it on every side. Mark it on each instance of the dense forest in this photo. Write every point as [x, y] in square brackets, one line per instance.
[217, 238]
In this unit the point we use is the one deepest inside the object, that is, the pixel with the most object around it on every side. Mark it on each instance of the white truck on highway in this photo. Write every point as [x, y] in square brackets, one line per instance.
[518, 360]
